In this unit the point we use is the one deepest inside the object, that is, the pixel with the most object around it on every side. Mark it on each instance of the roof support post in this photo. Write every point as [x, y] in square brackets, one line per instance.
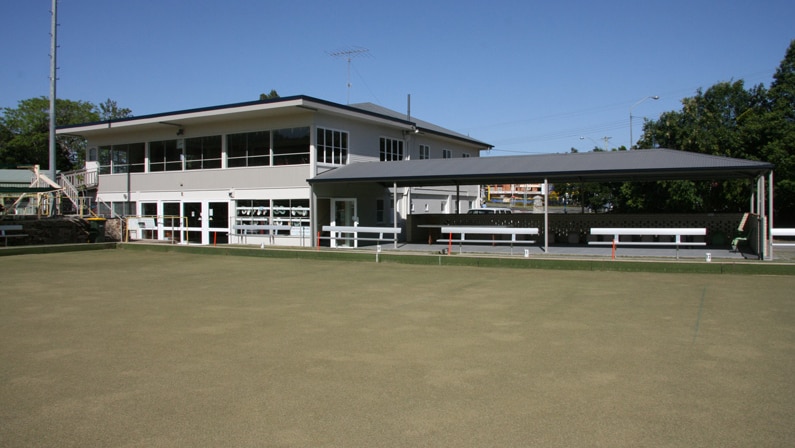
[546, 215]
[770, 225]
[762, 220]
[457, 199]
[394, 210]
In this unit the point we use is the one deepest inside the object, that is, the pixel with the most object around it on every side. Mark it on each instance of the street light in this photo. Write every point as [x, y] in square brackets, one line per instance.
[605, 139]
[632, 142]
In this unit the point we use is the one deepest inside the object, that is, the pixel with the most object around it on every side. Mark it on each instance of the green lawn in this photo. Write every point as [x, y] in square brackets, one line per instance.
[137, 348]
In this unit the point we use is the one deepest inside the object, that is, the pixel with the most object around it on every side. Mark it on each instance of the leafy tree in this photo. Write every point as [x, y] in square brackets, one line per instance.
[109, 110]
[777, 134]
[24, 131]
[272, 94]
[729, 120]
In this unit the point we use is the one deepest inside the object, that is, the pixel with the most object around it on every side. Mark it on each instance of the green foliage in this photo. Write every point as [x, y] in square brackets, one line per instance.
[109, 110]
[726, 120]
[271, 95]
[24, 131]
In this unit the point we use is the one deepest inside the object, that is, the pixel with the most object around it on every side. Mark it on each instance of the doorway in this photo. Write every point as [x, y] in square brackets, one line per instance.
[343, 213]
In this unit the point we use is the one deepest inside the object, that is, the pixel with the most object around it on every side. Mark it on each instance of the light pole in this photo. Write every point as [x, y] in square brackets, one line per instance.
[605, 139]
[632, 142]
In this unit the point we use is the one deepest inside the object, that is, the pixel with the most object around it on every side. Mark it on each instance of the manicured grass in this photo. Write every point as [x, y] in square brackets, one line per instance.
[172, 348]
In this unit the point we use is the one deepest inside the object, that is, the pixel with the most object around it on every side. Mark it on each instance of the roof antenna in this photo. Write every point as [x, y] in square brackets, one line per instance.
[349, 54]
[408, 112]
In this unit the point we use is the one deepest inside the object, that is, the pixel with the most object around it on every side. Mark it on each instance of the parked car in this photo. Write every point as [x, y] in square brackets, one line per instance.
[489, 211]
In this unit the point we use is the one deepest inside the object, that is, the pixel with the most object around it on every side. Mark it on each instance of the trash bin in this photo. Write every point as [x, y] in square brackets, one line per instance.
[96, 230]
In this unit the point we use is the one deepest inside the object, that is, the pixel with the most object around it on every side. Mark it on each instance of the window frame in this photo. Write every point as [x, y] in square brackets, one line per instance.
[391, 149]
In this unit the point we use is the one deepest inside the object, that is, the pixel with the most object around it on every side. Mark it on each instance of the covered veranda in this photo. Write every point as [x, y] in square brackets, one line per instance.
[639, 165]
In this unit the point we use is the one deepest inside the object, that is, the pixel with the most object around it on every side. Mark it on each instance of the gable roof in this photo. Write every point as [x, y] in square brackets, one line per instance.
[639, 165]
[420, 125]
[264, 108]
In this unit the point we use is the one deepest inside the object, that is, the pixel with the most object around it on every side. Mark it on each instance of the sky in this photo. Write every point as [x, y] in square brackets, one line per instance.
[526, 76]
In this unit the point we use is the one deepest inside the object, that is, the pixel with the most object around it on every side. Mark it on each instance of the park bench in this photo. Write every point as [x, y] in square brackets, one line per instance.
[649, 236]
[463, 231]
[782, 232]
[244, 230]
[337, 232]
[6, 228]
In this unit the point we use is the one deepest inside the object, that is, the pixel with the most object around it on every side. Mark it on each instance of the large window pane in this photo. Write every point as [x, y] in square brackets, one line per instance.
[248, 149]
[165, 156]
[203, 152]
[291, 146]
[136, 157]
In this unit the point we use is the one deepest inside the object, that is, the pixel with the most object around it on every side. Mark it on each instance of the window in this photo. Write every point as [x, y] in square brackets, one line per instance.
[203, 152]
[425, 152]
[248, 149]
[391, 149]
[332, 146]
[165, 155]
[447, 154]
[122, 158]
[291, 146]
[379, 210]
[263, 212]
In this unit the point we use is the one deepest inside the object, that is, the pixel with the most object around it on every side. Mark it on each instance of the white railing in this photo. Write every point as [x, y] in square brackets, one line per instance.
[81, 178]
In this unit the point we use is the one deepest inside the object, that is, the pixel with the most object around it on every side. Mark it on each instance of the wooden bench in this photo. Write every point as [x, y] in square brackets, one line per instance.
[336, 232]
[268, 230]
[4, 229]
[782, 232]
[463, 231]
[648, 234]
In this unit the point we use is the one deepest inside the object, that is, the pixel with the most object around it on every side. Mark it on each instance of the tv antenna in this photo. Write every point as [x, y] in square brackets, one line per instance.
[349, 54]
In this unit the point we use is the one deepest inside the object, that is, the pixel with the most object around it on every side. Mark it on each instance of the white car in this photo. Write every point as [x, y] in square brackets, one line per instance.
[489, 211]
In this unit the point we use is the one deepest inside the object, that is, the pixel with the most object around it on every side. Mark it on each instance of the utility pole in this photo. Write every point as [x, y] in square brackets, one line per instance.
[349, 54]
[53, 71]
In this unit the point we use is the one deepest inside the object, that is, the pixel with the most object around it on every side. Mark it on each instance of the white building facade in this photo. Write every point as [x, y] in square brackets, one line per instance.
[223, 174]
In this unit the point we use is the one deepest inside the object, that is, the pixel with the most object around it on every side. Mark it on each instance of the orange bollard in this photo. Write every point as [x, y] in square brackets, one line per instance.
[613, 255]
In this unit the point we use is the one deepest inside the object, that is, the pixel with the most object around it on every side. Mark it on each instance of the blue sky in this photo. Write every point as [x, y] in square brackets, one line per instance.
[526, 76]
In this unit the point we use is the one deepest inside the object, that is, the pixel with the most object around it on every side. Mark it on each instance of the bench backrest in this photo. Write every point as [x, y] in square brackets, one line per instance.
[648, 231]
[491, 230]
[361, 229]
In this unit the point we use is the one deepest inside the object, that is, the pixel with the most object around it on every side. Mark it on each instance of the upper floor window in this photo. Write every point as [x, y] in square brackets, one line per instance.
[332, 146]
[165, 155]
[425, 152]
[447, 154]
[248, 149]
[391, 149]
[126, 158]
[291, 146]
[203, 152]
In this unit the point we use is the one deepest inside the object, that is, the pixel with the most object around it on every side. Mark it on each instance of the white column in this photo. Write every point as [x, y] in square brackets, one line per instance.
[546, 216]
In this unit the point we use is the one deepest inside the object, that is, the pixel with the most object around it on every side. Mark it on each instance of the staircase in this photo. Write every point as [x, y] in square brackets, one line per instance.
[74, 185]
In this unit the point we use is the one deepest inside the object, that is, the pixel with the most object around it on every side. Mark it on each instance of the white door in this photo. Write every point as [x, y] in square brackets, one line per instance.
[343, 213]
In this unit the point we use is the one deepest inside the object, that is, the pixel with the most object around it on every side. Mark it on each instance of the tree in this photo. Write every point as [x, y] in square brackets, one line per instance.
[109, 110]
[271, 95]
[778, 135]
[728, 120]
[24, 131]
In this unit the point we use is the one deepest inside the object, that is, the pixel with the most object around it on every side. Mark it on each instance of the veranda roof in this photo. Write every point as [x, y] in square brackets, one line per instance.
[637, 165]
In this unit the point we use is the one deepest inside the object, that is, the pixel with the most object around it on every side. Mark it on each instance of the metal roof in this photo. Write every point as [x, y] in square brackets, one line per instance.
[637, 165]
[190, 118]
